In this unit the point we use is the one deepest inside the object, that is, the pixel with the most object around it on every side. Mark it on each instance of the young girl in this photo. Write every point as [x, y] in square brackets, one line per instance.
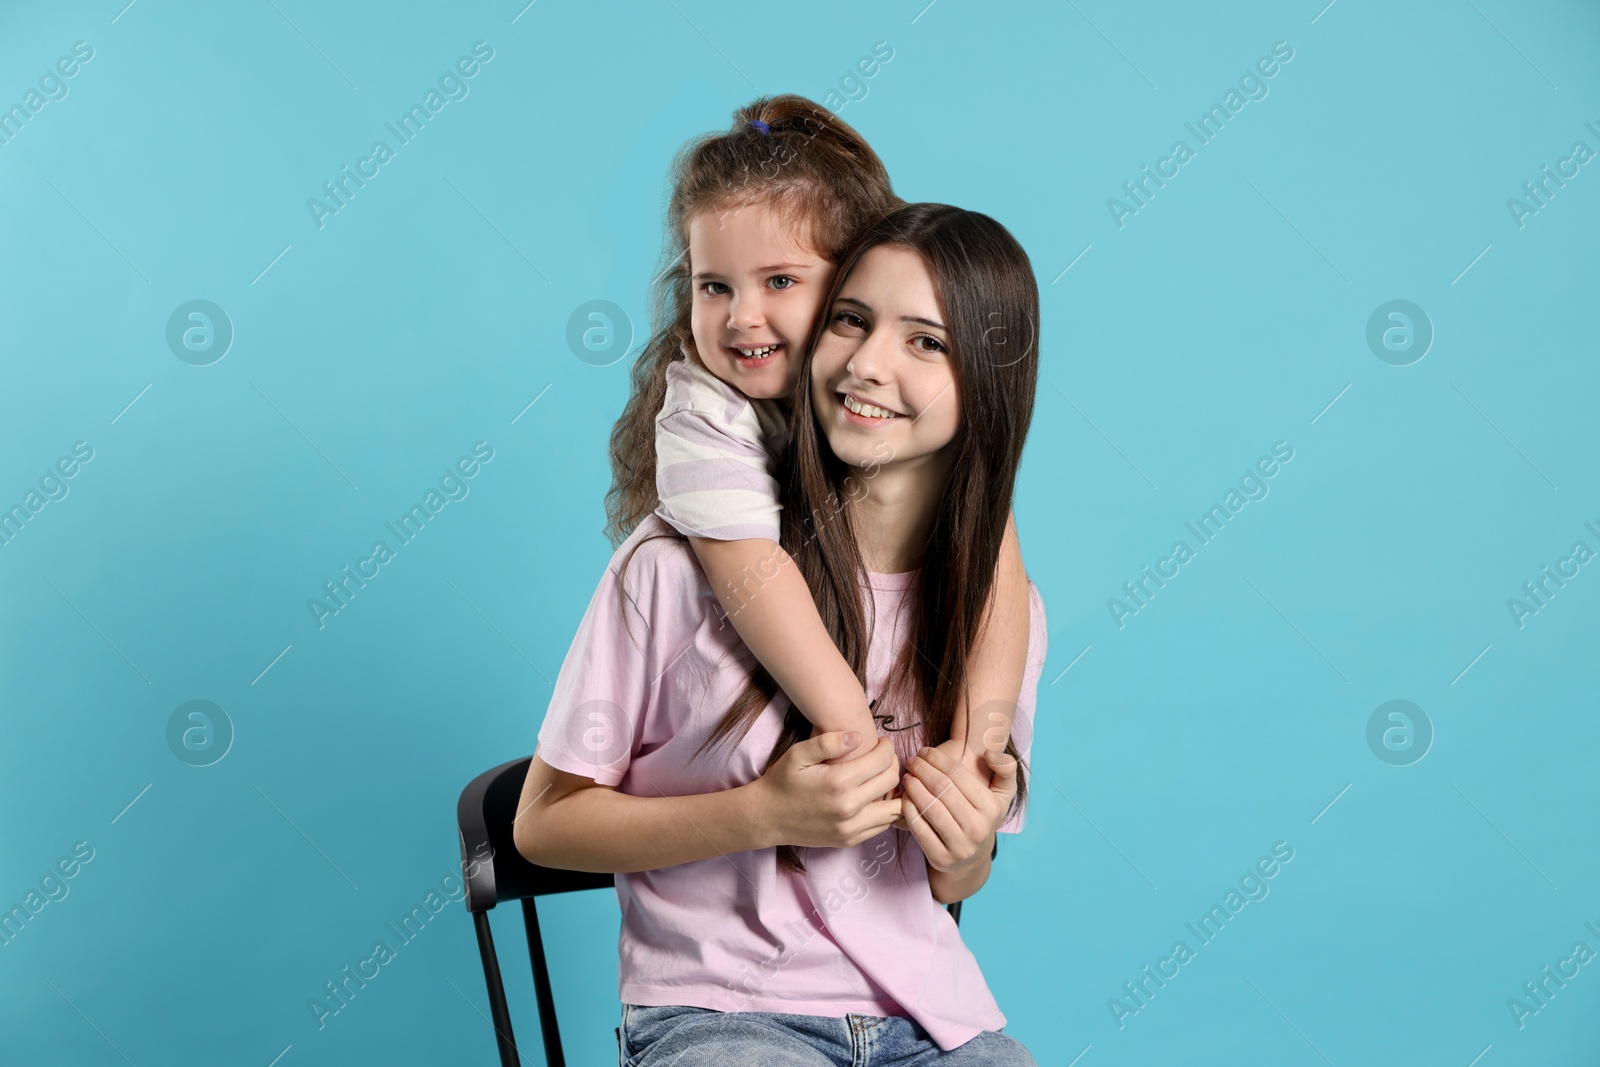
[757, 220]
[724, 956]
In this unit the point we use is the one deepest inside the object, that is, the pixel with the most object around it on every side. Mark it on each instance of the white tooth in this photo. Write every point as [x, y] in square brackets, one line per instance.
[869, 410]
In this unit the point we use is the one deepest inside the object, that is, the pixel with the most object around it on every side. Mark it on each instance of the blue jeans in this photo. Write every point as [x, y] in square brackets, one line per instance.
[700, 1037]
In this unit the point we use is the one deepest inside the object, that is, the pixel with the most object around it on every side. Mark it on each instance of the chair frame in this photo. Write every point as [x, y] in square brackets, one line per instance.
[485, 812]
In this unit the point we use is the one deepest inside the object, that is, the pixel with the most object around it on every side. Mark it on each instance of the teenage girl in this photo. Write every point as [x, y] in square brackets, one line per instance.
[724, 955]
[758, 217]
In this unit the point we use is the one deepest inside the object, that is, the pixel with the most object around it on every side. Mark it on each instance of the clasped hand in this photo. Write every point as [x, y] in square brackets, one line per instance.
[940, 797]
[952, 812]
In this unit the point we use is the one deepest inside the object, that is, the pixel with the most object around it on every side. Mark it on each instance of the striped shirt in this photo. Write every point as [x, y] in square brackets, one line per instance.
[716, 457]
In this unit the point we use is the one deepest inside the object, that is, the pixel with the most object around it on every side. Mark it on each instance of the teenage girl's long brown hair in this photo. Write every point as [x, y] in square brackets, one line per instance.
[990, 303]
[786, 152]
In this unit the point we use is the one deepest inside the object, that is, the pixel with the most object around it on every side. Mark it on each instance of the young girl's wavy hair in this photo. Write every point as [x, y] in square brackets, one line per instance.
[784, 152]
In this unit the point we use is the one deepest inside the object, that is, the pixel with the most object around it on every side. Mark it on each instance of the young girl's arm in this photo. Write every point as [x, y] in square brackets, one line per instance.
[994, 683]
[994, 672]
[772, 610]
[713, 478]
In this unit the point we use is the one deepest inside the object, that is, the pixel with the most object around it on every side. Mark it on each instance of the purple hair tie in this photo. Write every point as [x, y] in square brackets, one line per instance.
[762, 126]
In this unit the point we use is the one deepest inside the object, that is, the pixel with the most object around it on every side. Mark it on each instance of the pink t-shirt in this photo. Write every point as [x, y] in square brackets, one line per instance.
[733, 933]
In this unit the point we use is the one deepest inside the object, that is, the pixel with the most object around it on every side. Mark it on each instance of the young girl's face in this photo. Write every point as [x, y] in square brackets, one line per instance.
[882, 383]
[758, 288]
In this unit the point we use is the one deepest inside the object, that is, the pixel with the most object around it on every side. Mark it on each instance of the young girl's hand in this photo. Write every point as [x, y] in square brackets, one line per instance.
[950, 811]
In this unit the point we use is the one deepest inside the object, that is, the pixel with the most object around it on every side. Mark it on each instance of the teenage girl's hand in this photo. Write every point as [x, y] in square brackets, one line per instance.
[856, 753]
[949, 810]
[849, 754]
[802, 800]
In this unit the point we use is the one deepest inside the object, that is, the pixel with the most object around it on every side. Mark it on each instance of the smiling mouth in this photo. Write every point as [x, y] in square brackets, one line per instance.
[756, 354]
[867, 411]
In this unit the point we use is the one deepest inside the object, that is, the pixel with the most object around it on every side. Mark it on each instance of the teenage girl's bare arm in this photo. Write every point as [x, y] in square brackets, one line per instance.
[571, 822]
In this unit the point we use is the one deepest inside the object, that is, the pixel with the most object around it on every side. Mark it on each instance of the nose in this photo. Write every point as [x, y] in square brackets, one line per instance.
[745, 313]
[870, 362]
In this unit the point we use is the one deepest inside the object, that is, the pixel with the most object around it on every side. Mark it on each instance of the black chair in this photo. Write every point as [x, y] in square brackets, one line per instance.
[485, 812]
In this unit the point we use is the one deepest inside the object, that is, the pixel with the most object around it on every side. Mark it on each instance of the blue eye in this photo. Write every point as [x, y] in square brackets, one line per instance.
[783, 278]
[712, 288]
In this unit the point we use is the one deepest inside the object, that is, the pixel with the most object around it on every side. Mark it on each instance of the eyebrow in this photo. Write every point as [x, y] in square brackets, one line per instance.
[761, 270]
[903, 318]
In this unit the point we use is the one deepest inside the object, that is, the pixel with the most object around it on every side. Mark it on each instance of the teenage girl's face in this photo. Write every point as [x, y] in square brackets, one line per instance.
[882, 382]
[758, 289]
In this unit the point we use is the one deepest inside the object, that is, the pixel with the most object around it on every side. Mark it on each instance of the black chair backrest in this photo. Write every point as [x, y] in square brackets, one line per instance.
[494, 871]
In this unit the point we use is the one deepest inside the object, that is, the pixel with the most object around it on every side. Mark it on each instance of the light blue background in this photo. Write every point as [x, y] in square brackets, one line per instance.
[1228, 314]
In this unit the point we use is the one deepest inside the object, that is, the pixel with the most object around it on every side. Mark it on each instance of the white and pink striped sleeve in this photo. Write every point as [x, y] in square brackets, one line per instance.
[715, 457]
